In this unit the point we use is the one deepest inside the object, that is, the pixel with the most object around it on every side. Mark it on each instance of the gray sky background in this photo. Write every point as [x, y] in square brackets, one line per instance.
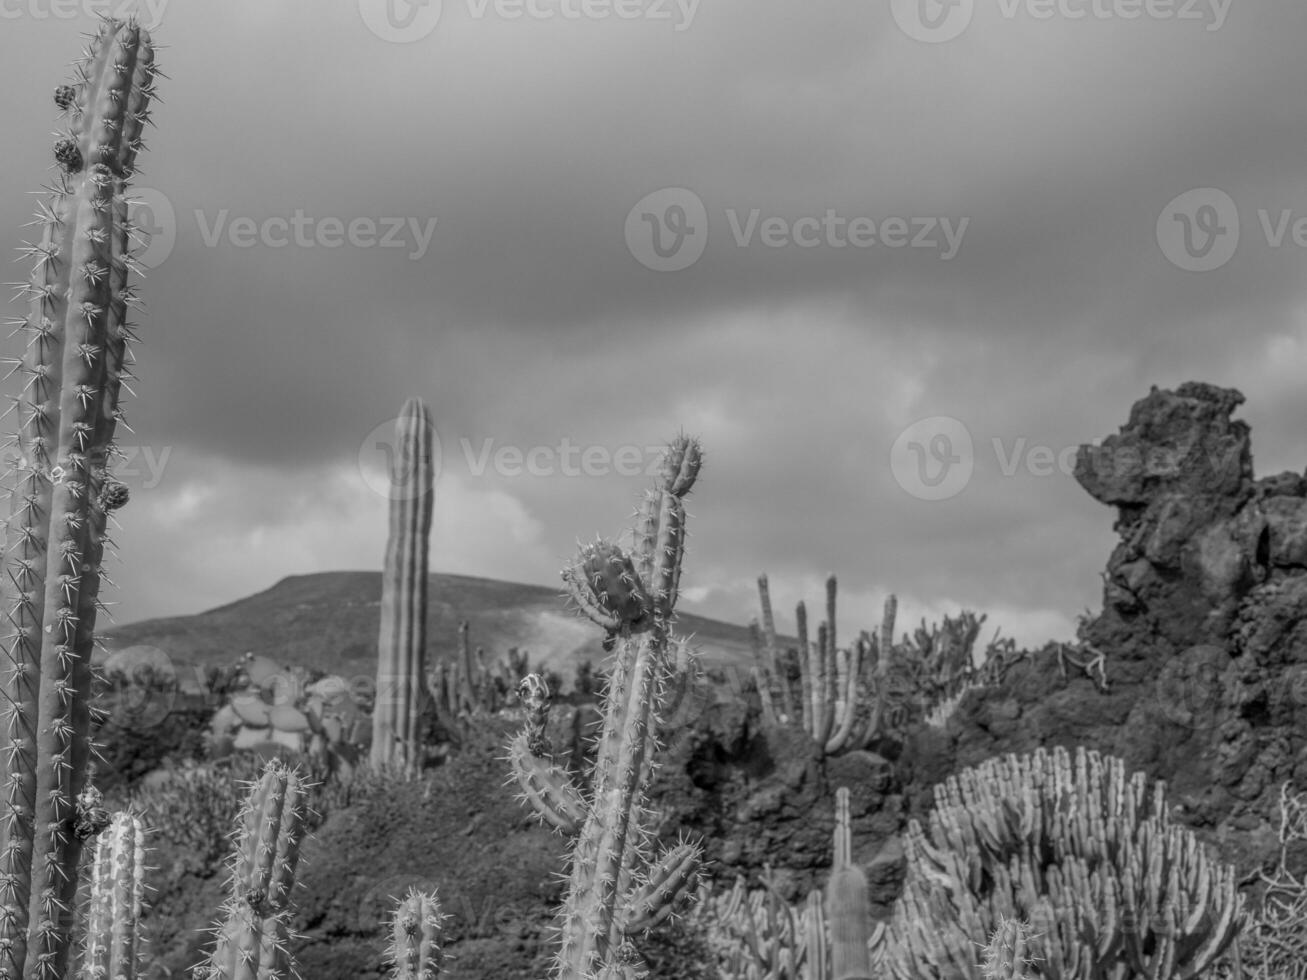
[531, 320]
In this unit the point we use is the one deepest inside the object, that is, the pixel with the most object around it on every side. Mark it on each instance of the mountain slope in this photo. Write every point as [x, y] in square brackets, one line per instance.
[330, 620]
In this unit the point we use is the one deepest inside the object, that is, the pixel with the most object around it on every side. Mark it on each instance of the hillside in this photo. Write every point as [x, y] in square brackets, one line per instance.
[330, 620]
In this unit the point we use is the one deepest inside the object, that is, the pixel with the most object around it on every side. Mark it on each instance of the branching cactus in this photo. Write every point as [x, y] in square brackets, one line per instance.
[253, 940]
[414, 948]
[617, 889]
[114, 945]
[76, 359]
[839, 697]
[396, 718]
[1107, 884]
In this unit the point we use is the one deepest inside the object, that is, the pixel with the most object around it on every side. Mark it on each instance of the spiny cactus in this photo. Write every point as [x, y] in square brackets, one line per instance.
[616, 890]
[1008, 955]
[413, 948]
[77, 328]
[396, 718]
[253, 940]
[113, 947]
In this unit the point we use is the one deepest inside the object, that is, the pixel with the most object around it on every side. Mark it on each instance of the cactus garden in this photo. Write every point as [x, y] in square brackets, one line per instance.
[422, 771]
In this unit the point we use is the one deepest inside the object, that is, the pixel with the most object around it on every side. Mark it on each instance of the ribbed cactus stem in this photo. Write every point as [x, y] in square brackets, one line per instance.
[773, 652]
[848, 903]
[396, 717]
[78, 301]
[254, 939]
[114, 945]
[413, 949]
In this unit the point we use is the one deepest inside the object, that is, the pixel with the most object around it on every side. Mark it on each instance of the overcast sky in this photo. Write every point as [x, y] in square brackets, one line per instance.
[833, 239]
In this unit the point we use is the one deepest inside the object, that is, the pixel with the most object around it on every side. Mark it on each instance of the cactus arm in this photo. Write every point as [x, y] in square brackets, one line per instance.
[672, 880]
[841, 740]
[805, 668]
[401, 644]
[113, 945]
[772, 650]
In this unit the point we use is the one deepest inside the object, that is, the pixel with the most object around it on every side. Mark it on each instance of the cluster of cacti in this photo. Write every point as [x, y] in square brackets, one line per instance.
[840, 696]
[397, 710]
[77, 328]
[616, 888]
[271, 707]
[847, 698]
[1091, 861]
[757, 935]
[469, 687]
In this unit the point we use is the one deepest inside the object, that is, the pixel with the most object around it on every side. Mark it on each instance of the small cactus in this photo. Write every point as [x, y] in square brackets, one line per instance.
[253, 940]
[413, 949]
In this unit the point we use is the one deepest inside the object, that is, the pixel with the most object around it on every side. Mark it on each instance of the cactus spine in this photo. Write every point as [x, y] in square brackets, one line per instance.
[76, 323]
[616, 890]
[414, 930]
[253, 941]
[113, 925]
[401, 646]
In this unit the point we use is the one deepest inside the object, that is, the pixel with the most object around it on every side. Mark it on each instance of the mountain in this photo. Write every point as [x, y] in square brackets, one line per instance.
[330, 620]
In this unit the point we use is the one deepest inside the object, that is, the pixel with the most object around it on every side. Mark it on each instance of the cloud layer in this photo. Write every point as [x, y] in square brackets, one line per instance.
[304, 293]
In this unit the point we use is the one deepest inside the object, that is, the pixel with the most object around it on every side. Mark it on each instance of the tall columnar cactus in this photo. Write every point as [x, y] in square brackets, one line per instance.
[616, 889]
[848, 903]
[413, 949]
[401, 648]
[253, 939]
[114, 945]
[77, 329]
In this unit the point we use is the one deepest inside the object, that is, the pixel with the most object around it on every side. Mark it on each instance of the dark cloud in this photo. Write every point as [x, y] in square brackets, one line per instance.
[527, 322]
